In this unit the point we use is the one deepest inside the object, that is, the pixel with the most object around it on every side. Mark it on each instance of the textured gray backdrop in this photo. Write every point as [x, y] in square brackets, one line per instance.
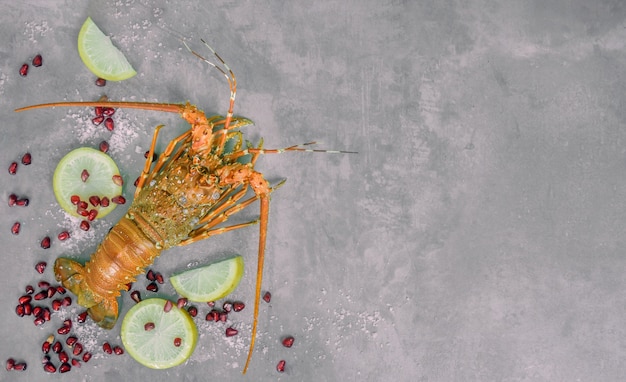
[477, 235]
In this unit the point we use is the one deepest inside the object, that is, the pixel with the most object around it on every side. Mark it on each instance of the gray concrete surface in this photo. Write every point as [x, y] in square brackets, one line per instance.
[477, 235]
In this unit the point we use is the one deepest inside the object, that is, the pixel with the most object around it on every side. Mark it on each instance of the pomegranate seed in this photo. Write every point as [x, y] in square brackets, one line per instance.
[75, 362]
[86, 356]
[63, 357]
[24, 299]
[49, 367]
[94, 200]
[104, 202]
[159, 278]
[82, 317]
[43, 284]
[209, 316]
[118, 199]
[37, 311]
[118, 350]
[107, 348]
[67, 323]
[61, 290]
[168, 306]
[15, 229]
[13, 168]
[45, 347]
[223, 316]
[22, 202]
[41, 267]
[29, 289]
[98, 110]
[104, 146]
[56, 305]
[181, 303]
[215, 315]
[45, 242]
[92, 214]
[81, 211]
[65, 367]
[108, 111]
[46, 314]
[84, 225]
[78, 348]
[71, 340]
[12, 200]
[97, 120]
[101, 82]
[280, 367]
[84, 175]
[135, 295]
[178, 341]
[27, 159]
[117, 179]
[20, 366]
[63, 330]
[41, 295]
[231, 332]
[150, 275]
[227, 306]
[24, 70]
[28, 309]
[267, 297]
[288, 341]
[109, 124]
[10, 364]
[193, 311]
[238, 306]
[136, 181]
[67, 301]
[63, 236]
[149, 326]
[152, 287]
[75, 199]
[51, 292]
[39, 321]
[37, 61]
[57, 347]
[211, 304]
[19, 310]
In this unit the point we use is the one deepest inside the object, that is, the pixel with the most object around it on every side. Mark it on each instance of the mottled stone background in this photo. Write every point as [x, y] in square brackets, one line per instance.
[477, 235]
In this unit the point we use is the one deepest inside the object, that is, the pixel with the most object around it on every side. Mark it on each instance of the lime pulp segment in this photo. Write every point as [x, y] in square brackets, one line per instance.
[211, 282]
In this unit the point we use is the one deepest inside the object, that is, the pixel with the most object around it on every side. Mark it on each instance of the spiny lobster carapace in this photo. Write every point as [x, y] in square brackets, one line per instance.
[200, 180]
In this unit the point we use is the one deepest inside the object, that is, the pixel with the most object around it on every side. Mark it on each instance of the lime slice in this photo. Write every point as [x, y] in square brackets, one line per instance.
[211, 282]
[67, 180]
[156, 346]
[100, 55]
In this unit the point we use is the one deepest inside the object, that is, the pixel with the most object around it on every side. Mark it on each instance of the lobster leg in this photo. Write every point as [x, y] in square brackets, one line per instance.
[146, 167]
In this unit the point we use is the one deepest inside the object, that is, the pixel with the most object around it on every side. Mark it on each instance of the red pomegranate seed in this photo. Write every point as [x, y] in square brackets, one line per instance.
[24, 70]
[65, 367]
[223, 316]
[84, 225]
[29, 289]
[117, 179]
[86, 356]
[109, 124]
[104, 146]
[104, 202]
[24, 299]
[37, 61]
[159, 278]
[231, 332]
[118, 350]
[97, 120]
[43, 284]
[181, 303]
[51, 291]
[10, 364]
[94, 200]
[108, 111]
[82, 211]
[46, 314]
[149, 326]
[19, 310]
[101, 82]
[22, 202]
[41, 295]
[67, 301]
[75, 199]
[267, 297]
[49, 367]
[82, 317]
[71, 340]
[84, 175]
[13, 168]
[63, 330]
[135, 295]
[150, 275]
[27, 159]
[75, 362]
[193, 311]
[12, 200]
[28, 309]
[288, 341]
[98, 110]
[211, 304]
[82, 204]
[280, 367]
[78, 348]
[15, 229]
[152, 287]
[107, 348]
[45, 242]
[178, 341]
[61, 290]
[227, 306]
[39, 321]
[210, 316]
[37, 311]
[56, 305]
[92, 214]
[20, 366]
[57, 347]
[63, 357]
[238, 306]
[119, 199]
[63, 236]
[168, 306]
[45, 347]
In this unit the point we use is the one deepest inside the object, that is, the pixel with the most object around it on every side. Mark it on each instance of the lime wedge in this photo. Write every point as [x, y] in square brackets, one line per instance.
[169, 340]
[211, 282]
[68, 180]
[100, 55]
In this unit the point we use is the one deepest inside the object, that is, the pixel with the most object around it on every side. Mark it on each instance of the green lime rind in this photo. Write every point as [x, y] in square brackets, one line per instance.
[67, 181]
[210, 282]
[155, 348]
[100, 56]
